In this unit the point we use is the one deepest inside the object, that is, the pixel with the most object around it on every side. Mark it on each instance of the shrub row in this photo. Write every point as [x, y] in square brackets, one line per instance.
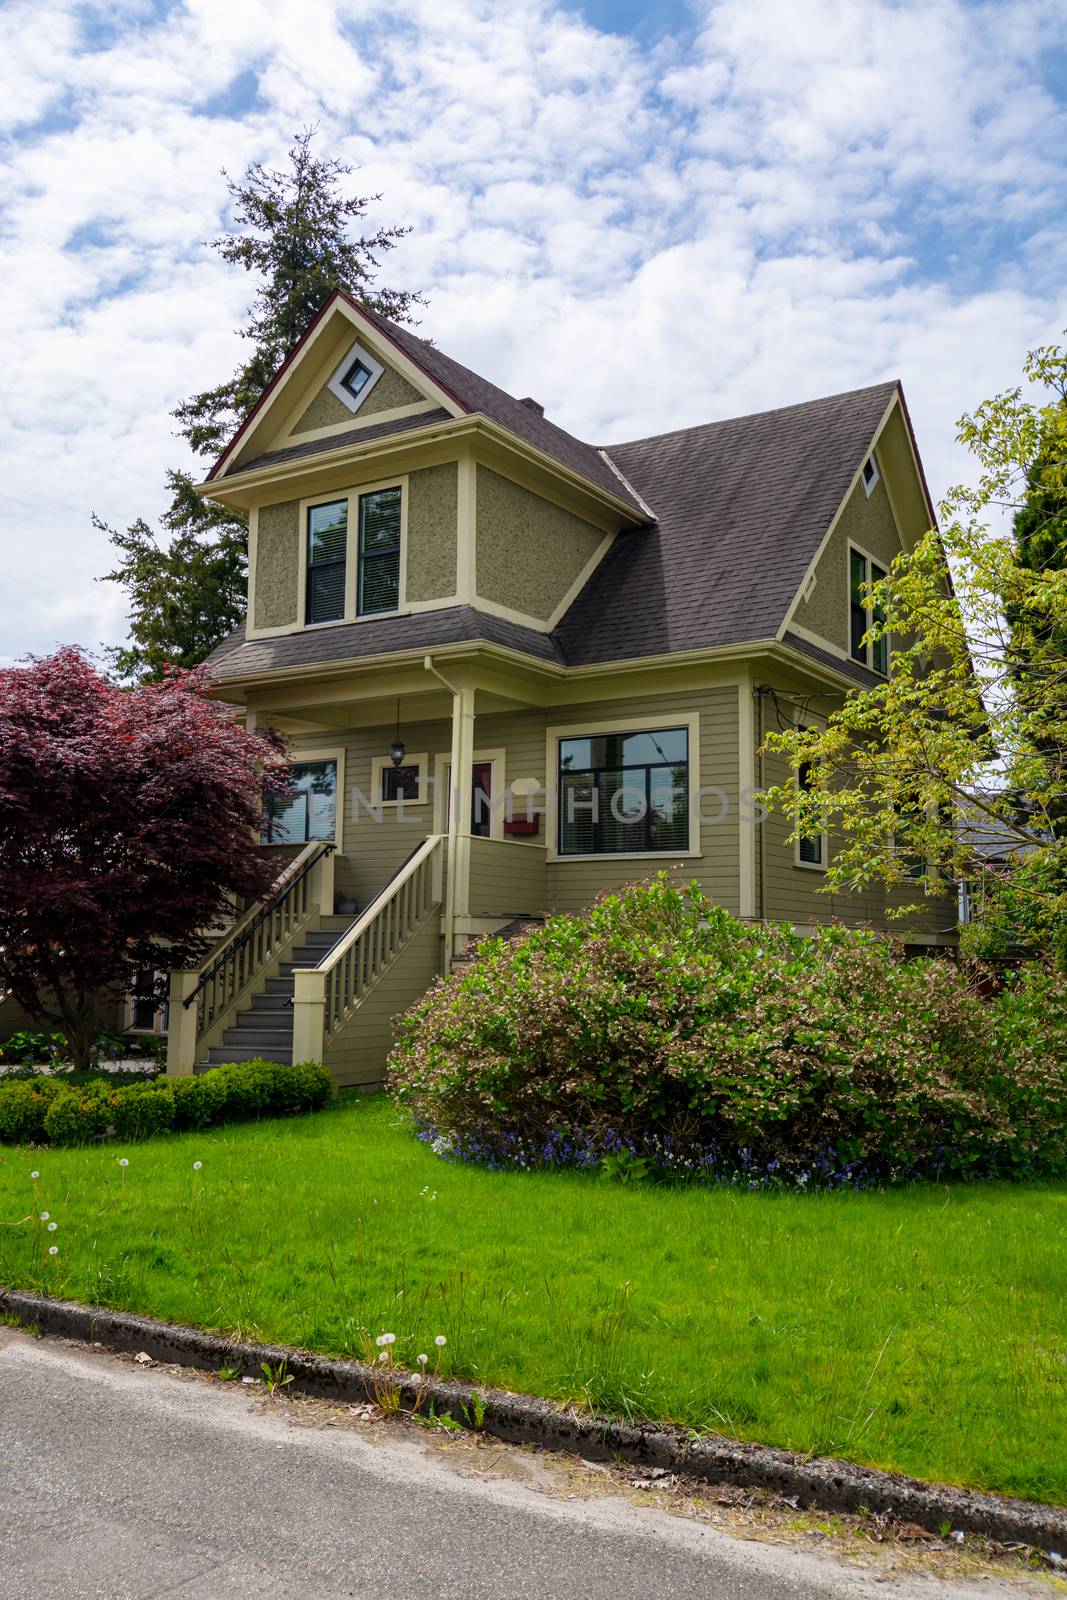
[40, 1110]
[655, 1028]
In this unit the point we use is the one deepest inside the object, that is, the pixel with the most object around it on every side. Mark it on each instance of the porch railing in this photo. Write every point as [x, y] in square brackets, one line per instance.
[327, 995]
[203, 1000]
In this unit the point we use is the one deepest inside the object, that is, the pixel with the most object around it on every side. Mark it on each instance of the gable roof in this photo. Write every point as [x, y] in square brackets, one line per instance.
[469, 393]
[742, 506]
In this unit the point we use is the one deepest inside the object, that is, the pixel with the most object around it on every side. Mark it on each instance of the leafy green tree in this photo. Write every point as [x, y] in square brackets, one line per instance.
[300, 237]
[968, 737]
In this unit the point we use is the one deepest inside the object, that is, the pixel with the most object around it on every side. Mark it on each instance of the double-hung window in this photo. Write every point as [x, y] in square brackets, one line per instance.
[377, 587]
[622, 793]
[327, 558]
[862, 570]
[379, 552]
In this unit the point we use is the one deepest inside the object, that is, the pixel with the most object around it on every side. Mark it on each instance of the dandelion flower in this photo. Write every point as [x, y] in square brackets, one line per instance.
[197, 1165]
[52, 1226]
[440, 1340]
[53, 1249]
[123, 1162]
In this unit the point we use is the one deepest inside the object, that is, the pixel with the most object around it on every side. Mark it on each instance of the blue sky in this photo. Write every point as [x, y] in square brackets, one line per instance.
[646, 216]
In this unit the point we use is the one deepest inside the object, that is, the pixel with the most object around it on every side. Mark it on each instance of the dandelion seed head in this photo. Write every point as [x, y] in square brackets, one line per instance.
[53, 1249]
[44, 1216]
[383, 1355]
[422, 1360]
[440, 1340]
[35, 1175]
[123, 1162]
[52, 1226]
[197, 1165]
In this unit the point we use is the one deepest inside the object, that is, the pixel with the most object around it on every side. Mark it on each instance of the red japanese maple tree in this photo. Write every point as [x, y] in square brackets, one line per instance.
[128, 822]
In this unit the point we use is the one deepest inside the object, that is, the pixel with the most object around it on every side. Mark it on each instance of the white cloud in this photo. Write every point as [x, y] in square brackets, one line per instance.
[792, 199]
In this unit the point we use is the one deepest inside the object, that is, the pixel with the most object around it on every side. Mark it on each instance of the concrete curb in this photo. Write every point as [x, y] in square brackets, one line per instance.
[813, 1482]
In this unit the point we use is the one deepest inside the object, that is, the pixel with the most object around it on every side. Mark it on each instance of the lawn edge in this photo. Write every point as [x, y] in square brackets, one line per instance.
[815, 1482]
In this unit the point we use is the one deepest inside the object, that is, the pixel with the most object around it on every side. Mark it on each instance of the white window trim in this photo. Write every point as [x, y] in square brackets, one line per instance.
[442, 775]
[869, 488]
[295, 757]
[351, 554]
[885, 566]
[823, 838]
[357, 352]
[590, 728]
[380, 764]
[159, 1019]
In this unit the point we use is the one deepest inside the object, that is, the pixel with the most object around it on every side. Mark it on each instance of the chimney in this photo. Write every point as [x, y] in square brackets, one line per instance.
[532, 405]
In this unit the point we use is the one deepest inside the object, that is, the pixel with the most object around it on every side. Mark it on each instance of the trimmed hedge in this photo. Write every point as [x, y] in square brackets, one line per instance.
[46, 1110]
[656, 1032]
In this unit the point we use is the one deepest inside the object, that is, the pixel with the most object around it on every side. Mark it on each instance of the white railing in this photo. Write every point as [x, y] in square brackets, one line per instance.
[327, 995]
[202, 1001]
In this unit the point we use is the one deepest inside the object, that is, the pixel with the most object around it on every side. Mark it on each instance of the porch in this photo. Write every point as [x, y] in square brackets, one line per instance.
[386, 870]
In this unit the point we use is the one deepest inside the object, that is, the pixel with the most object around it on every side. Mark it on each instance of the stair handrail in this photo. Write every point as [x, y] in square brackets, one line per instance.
[293, 874]
[374, 908]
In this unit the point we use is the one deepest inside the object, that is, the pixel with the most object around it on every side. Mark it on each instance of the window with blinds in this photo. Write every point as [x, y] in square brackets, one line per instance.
[379, 552]
[327, 541]
[621, 793]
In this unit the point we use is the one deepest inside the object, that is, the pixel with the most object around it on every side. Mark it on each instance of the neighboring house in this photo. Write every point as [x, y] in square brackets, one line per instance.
[516, 669]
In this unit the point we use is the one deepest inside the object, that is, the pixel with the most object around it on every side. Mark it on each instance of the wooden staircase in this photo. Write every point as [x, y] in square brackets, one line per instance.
[264, 1029]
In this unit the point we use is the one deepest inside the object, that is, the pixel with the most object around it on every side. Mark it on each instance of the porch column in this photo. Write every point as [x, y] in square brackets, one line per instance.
[458, 899]
[181, 1025]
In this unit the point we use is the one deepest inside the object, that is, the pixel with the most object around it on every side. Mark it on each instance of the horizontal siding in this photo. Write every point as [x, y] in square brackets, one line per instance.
[508, 878]
[573, 884]
[372, 850]
[792, 893]
[357, 1054]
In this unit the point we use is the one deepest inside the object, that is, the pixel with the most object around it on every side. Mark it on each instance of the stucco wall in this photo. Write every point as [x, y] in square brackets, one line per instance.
[390, 390]
[528, 550]
[865, 522]
[431, 553]
[277, 565]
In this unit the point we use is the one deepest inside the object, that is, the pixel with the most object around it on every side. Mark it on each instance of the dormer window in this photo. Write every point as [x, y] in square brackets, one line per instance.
[869, 474]
[355, 377]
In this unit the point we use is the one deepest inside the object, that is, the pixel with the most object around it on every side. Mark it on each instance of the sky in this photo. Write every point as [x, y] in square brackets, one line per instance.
[646, 216]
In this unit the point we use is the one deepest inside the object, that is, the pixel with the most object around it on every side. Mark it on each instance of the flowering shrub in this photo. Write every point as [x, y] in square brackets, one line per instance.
[49, 1110]
[656, 1028]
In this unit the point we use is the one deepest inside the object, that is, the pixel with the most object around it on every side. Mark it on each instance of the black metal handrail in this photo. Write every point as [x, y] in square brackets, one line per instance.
[265, 911]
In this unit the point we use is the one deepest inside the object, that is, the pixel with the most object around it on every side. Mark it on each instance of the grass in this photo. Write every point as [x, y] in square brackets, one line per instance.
[920, 1330]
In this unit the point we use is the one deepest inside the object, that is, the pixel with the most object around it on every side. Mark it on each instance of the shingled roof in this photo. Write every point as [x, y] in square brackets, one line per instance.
[741, 509]
[475, 393]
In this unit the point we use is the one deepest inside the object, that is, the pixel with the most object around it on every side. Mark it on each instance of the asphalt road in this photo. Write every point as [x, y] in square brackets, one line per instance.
[118, 1481]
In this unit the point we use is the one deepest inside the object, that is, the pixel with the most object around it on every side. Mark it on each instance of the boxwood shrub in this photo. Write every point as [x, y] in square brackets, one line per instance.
[656, 1031]
[47, 1110]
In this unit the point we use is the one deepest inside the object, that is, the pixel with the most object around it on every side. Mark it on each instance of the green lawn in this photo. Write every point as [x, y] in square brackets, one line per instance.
[922, 1330]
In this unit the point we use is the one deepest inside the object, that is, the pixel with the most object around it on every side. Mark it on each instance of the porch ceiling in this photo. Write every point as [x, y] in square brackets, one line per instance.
[299, 716]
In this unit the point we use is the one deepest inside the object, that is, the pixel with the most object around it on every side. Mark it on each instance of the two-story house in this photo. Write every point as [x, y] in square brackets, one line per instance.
[516, 669]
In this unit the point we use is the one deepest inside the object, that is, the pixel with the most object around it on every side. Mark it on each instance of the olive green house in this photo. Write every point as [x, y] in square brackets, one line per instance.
[515, 669]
